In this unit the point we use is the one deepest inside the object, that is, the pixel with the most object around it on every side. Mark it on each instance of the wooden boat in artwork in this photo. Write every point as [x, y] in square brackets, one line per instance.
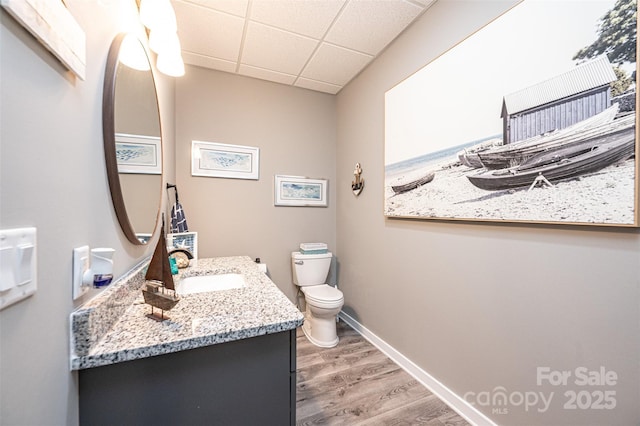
[406, 187]
[563, 163]
[472, 160]
[516, 153]
[469, 156]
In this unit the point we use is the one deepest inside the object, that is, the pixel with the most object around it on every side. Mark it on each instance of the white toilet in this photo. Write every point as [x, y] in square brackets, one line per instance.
[323, 301]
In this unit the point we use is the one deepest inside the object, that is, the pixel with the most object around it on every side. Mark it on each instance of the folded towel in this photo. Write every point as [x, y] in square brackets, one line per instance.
[306, 247]
[314, 251]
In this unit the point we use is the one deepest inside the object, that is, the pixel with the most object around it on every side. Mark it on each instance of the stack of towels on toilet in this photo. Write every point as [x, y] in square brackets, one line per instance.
[313, 248]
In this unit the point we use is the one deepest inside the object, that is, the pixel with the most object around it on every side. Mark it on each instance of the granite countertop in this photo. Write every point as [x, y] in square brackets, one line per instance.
[198, 320]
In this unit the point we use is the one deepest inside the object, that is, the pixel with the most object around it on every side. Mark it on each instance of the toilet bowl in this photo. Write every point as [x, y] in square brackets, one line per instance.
[323, 302]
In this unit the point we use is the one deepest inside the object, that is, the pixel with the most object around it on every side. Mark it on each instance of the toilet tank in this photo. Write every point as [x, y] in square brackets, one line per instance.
[310, 269]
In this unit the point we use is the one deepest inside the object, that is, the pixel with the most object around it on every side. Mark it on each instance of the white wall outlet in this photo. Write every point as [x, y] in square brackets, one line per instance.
[18, 265]
[80, 265]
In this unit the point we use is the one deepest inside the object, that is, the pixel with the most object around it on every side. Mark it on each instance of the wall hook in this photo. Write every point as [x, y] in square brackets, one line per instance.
[358, 184]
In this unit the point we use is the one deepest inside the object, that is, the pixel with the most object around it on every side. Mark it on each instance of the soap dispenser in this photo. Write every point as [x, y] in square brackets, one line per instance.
[100, 272]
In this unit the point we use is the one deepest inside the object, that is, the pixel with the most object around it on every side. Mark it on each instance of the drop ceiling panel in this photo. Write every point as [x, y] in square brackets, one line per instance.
[208, 62]
[266, 74]
[316, 44]
[318, 86]
[368, 26]
[208, 32]
[307, 17]
[322, 66]
[234, 7]
[277, 50]
[425, 3]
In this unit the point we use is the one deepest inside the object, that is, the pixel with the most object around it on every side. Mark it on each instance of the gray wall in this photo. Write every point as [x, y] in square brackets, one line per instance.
[478, 305]
[561, 297]
[52, 176]
[295, 130]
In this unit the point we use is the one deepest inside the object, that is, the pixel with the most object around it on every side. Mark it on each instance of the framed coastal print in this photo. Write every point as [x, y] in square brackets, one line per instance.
[300, 191]
[226, 161]
[522, 123]
[138, 154]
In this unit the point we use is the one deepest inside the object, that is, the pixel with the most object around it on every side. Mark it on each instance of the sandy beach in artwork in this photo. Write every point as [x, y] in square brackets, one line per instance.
[604, 197]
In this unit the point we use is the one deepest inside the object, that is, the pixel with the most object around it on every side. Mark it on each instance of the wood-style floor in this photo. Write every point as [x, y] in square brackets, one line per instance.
[356, 384]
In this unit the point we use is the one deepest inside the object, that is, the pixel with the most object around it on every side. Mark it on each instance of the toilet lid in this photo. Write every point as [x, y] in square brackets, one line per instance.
[322, 293]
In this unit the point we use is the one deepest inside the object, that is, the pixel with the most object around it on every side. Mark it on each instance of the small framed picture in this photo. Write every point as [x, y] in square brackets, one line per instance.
[138, 154]
[211, 159]
[300, 191]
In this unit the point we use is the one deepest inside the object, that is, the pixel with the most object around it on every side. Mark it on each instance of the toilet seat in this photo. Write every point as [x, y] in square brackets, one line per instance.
[323, 295]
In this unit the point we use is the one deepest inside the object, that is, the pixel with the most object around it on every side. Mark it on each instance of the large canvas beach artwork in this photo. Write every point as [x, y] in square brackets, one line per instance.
[530, 119]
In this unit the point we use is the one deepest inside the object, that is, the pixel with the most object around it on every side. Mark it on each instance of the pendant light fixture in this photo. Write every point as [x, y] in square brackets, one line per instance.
[160, 18]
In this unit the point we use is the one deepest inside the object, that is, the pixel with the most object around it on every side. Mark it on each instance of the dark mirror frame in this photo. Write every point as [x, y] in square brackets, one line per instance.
[108, 134]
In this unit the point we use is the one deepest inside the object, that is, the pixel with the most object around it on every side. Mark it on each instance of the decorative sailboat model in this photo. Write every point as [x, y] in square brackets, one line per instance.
[159, 290]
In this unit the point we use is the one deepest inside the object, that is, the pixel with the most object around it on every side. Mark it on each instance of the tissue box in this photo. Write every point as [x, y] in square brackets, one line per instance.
[314, 248]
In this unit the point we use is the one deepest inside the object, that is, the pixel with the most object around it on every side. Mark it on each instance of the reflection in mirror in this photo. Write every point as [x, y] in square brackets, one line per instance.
[132, 138]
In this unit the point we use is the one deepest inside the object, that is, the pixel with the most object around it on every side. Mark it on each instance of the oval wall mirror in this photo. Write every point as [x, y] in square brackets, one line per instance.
[132, 138]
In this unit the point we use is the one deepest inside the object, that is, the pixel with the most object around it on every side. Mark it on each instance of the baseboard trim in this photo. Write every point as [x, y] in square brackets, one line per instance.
[458, 404]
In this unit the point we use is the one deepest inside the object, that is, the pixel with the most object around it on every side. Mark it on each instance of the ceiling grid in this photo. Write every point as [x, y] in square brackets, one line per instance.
[314, 44]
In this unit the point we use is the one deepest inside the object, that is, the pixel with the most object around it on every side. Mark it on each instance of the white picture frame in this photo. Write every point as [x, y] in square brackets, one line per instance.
[442, 138]
[138, 154]
[299, 191]
[212, 159]
[188, 240]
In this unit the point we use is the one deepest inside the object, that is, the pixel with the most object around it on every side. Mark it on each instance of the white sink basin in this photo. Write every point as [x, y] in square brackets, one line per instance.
[205, 283]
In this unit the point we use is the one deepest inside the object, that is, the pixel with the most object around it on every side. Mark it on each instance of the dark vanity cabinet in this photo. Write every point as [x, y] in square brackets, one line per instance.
[245, 382]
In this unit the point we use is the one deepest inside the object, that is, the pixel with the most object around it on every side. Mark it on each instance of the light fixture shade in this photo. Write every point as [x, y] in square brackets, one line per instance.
[132, 54]
[160, 18]
[171, 64]
[161, 41]
[158, 15]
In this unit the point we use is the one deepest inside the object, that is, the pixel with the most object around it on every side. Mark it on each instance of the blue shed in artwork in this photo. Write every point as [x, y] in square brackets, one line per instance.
[558, 102]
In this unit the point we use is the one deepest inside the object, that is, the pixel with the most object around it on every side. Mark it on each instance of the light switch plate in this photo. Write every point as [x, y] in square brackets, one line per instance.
[80, 265]
[23, 271]
[18, 265]
[7, 277]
